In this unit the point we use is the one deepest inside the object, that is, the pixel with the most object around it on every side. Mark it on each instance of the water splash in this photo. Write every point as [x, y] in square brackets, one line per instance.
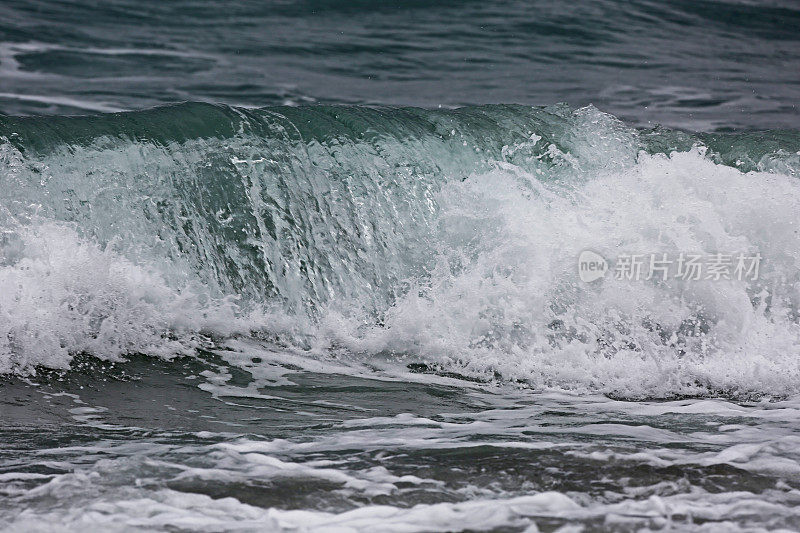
[449, 236]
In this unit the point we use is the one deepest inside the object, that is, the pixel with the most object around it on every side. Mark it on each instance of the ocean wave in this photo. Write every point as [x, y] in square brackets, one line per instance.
[449, 236]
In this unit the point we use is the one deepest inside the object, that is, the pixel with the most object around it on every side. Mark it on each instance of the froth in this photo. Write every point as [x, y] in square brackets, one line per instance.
[61, 294]
[442, 246]
[505, 296]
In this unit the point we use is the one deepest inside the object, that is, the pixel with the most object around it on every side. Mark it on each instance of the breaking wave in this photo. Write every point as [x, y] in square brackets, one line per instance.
[444, 236]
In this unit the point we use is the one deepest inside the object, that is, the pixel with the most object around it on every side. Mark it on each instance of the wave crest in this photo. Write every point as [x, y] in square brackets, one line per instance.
[445, 235]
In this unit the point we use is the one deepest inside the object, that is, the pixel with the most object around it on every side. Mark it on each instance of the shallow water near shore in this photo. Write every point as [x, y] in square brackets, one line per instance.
[202, 445]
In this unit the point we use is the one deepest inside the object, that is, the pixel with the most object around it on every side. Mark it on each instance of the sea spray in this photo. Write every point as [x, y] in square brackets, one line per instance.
[446, 236]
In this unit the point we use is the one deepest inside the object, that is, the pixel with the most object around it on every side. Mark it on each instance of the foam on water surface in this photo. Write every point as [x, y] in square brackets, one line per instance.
[521, 461]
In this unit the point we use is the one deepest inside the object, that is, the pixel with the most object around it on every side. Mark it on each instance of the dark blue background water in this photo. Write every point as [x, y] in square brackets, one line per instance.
[695, 64]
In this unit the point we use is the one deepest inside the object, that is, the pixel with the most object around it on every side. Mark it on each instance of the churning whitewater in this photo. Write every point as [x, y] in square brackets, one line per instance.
[448, 238]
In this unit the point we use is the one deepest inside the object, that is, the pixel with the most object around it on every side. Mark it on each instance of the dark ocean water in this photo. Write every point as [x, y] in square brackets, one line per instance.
[701, 65]
[313, 266]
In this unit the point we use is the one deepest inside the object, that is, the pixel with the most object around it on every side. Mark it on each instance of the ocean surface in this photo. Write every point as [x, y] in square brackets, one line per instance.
[314, 266]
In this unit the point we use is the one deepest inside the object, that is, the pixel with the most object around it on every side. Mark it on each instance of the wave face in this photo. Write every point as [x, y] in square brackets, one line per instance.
[449, 236]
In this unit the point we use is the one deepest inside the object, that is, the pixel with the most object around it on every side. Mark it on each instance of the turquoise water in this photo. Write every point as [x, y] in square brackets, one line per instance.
[264, 305]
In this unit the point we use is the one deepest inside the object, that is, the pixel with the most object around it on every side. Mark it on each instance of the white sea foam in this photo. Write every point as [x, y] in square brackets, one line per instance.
[505, 296]
[160, 486]
[61, 295]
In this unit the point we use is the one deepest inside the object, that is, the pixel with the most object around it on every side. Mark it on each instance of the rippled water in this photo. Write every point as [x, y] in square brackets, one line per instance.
[207, 446]
[698, 65]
